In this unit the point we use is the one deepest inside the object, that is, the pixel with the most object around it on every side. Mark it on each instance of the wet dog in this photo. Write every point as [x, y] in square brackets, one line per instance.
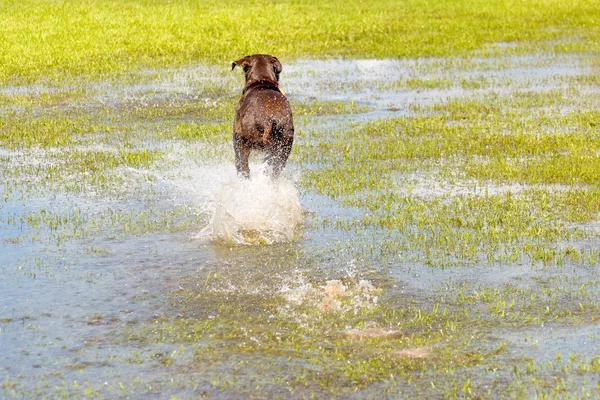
[263, 118]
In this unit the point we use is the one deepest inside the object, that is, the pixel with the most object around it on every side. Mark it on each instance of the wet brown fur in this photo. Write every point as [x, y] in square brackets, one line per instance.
[263, 118]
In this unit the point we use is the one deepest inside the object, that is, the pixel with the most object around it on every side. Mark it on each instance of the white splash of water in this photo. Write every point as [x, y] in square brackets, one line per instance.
[255, 211]
[335, 296]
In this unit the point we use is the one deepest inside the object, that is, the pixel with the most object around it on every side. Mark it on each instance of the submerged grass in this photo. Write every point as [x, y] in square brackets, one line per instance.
[491, 181]
[494, 143]
[499, 182]
[228, 319]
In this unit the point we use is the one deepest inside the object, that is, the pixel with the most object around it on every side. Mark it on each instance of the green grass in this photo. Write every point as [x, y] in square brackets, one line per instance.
[224, 319]
[46, 39]
[18, 130]
[326, 108]
[531, 155]
[471, 217]
[551, 153]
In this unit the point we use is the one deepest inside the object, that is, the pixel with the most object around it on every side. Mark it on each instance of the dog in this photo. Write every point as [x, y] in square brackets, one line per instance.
[263, 118]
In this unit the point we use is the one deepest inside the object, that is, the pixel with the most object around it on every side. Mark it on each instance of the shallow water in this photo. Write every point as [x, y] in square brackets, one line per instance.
[179, 279]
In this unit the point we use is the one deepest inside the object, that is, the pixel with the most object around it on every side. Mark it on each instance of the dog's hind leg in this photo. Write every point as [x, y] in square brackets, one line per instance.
[278, 155]
[241, 159]
[280, 159]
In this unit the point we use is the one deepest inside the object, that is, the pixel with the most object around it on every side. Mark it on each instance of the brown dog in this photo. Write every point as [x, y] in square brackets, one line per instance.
[263, 118]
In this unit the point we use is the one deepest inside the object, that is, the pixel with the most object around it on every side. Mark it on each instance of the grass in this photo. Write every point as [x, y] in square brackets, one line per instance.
[467, 224]
[552, 155]
[466, 186]
[224, 321]
[43, 40]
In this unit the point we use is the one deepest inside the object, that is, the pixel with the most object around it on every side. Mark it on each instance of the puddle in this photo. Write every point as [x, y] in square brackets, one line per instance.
[107, 286]
[430, 186]
[551, 343]
[368, 81]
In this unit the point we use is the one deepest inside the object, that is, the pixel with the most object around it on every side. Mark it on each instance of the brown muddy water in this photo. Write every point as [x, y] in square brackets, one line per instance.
[174, 279]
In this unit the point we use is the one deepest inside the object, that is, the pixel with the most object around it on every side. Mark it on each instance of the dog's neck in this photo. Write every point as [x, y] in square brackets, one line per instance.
[266, 83]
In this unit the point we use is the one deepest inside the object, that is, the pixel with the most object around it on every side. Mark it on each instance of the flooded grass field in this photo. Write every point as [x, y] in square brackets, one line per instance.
[436, 234]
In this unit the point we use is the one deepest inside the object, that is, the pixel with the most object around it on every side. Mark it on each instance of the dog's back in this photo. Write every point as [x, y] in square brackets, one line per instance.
[264, 117]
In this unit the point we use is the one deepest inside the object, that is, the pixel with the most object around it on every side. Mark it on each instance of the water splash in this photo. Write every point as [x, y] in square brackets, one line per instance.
[255, 211]
[335, 296]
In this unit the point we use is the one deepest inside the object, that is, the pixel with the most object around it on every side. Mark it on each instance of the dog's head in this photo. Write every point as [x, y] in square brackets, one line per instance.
[259, 67]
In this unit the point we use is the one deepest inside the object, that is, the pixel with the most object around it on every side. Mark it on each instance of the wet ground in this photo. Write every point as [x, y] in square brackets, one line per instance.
[151, 279]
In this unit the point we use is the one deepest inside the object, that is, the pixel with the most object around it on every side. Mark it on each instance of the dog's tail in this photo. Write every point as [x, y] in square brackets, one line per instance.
[269, 131]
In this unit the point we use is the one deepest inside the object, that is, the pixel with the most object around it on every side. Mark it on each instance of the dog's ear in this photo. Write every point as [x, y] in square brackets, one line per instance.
[242, 62]
[276, 66]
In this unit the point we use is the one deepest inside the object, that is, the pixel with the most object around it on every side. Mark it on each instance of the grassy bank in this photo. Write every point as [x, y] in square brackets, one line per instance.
[47, 39]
